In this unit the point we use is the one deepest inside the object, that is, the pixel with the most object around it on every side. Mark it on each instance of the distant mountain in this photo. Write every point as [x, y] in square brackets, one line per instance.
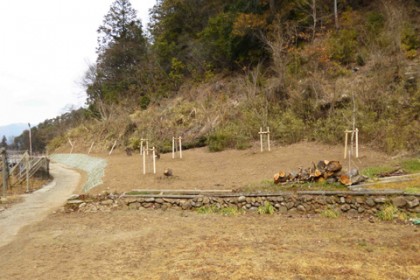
[12, 130]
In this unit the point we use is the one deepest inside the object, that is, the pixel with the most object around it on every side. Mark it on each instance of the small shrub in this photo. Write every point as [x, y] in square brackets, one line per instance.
[343, 46]
[144, 102]
[134, 143]
[330, 213]
[289, 128]
[267, 208]
[409, 38]
[230, 136]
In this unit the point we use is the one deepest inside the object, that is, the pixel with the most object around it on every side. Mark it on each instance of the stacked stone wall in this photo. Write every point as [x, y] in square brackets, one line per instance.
[350, 203]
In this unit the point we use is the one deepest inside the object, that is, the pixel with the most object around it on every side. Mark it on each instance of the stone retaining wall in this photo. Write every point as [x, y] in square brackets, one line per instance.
[351, 203]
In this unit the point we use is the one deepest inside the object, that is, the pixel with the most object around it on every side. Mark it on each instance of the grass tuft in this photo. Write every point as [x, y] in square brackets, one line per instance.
[411, 165]
[330, 213]
[388, 213]
[225, 211]
[267, 208]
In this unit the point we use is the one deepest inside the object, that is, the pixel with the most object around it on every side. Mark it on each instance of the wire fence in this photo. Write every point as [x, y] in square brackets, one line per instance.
[94, 167]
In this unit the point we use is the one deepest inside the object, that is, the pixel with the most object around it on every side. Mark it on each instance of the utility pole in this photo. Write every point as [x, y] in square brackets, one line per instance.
[5, 171]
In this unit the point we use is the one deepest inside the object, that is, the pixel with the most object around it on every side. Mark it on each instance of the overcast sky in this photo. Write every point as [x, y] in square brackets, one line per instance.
[45, 47]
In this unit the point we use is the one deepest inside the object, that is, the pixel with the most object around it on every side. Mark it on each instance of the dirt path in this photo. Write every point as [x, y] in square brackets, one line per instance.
[38, 204]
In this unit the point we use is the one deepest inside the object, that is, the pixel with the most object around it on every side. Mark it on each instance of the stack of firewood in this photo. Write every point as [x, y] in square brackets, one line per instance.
[324, 171]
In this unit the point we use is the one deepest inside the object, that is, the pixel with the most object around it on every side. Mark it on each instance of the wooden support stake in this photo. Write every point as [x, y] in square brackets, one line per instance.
[345, 144]
[357, 143]
[180, 147]
[144, 163]
[154, 160]
[113, 146]
[176, 146]
[91, 146]
[267, 133]
[173, 147]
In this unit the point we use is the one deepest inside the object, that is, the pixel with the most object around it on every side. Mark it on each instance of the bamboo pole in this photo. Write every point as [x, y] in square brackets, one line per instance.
[91, 147]
[71, 144]
[112, 149]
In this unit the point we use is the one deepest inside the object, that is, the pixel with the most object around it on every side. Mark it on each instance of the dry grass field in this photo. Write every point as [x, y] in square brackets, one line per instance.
[152, 244]
[156, 244]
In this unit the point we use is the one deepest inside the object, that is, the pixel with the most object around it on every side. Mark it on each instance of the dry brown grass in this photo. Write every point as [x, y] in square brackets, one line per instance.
[152, 244]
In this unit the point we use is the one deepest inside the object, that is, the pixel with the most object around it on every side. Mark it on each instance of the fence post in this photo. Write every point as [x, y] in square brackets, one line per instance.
[28, 167]
[4, 168]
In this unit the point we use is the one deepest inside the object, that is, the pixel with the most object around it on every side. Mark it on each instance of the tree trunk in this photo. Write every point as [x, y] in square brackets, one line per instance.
[336, 14]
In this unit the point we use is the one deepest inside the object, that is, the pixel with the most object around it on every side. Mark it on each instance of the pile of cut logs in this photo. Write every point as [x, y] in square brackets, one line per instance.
[324, 171]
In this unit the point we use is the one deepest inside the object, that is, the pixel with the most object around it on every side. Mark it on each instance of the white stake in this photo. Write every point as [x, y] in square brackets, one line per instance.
[261, 139]
[268, 139]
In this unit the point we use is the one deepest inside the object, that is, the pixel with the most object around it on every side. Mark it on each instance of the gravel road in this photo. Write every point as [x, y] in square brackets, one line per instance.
[39, 204]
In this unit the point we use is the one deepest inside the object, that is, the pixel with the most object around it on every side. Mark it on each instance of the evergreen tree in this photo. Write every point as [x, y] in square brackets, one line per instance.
[3, 143]
[122, 48]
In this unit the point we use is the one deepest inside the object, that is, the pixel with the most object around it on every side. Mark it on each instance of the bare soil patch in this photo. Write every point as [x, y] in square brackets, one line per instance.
[232, 169]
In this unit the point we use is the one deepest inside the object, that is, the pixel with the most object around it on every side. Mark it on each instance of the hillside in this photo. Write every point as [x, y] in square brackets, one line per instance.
[215, 73]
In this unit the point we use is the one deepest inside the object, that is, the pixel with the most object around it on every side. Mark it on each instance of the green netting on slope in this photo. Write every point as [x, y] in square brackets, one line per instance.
[94, 167]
